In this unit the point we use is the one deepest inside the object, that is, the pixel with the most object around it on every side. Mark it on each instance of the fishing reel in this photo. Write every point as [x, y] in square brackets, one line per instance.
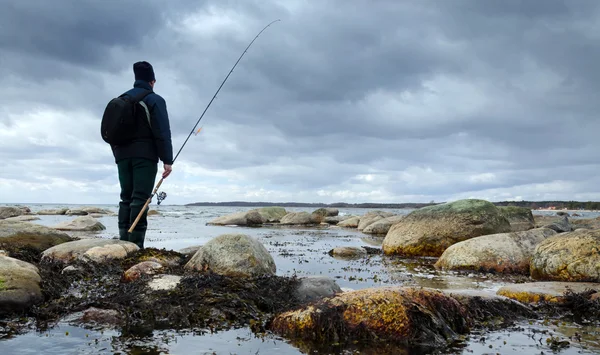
[160, 197]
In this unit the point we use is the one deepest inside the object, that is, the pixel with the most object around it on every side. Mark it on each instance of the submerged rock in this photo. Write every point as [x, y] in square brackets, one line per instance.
[503, 252]
[520, 218]
[84, 223]
[233, 255]
[19, 285]
[316, 287]
[247, 218]
[15, 236]
[572, 256]
[348, 252]
[300, 218]
[534, 292]
[429, 231]
[382, 226]
[97, 250]
[351, 222]
[7, 212]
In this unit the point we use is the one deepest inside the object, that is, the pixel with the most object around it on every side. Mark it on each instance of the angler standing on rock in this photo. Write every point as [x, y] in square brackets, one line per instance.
[136, 125]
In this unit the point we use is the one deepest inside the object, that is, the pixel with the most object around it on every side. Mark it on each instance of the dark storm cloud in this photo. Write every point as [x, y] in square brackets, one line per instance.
[431, 98]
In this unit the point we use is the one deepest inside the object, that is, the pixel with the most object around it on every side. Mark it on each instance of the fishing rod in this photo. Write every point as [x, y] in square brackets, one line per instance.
[139, 216]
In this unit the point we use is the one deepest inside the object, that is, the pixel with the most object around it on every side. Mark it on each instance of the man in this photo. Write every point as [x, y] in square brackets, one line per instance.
[137, 161]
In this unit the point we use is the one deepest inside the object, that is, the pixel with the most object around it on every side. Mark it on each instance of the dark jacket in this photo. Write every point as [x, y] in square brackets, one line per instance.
[152, 143]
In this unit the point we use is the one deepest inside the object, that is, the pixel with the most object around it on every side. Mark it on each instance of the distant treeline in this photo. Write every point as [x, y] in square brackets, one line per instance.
[571, 205]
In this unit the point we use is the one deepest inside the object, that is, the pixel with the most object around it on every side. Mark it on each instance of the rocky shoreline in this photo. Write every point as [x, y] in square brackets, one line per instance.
[48, 276]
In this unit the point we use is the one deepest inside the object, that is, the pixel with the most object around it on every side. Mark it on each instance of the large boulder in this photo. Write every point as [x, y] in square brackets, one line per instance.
[572, 256]
[236, 255]
[7, 212]
[382, 226]
[351, 222]
[271, 214]
[300, 218]
[96, 250]
[17, 235]
[503, 252]
[19, 285]
[429, 231]
[520, 218]
[372, 217]
[83, 224]
[244, 218]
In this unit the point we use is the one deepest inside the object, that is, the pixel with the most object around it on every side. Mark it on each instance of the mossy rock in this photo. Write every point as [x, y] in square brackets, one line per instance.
[19, 285]
[18, 237]
[429, 231]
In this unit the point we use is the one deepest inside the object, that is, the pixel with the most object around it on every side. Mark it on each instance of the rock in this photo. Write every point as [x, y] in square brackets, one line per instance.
[95, 210]
[89, 250]
[348, 252]
[54, 212]
[16, 235]
[561, 226]
[271, 214]
[520, 218]
[247, 218]
[103, 317]
[535, 292]
[7, 212]
[351, 222]
[300, 218]
[383, 225]
[571, 256]
[389, 314]
[76, 212]
[85, 223]
[164, 282]
[153, 213]
[19, 285]
[562, 213]
[143, 268]
[316, 287]
[235, 255]
[22, 218]
[383, 214]
[326, 212]
[430, 230]
[190, 250]
[588, 223]
[503, 252]
[165, 259]
[3, 253]
[367, 220]
[336, 219]
[69, 269]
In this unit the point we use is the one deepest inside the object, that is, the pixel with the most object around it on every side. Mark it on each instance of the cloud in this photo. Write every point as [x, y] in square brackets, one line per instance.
[340, 101]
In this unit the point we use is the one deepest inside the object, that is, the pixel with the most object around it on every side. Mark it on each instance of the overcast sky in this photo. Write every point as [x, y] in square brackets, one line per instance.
[353, 101]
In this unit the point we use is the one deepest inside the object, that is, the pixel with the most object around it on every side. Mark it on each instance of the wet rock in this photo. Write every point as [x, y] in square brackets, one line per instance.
[382, 226]
[153, 213]
[351, 222]
[300, 218]
[247, 218]
[164, 282]
[85, 223]
[326, 212]
[190, 250]
[520, 218]
[18, 235]
[53, 212]
[7, 212]
[19, 285]
[235, 255]
[97, 318]
[97, 250]
[503, 252]
[534, 292]
[271, 214]
[348, 252]
[22, 218]
[388, 314]
[429, 231]
[143, 268]
[572, 256]
[316, 287]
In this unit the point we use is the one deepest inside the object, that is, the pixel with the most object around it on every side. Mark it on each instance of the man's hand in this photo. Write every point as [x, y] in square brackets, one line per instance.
[168, 169]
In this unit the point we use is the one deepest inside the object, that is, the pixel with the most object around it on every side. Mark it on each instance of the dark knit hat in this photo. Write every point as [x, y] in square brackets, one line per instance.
[143, 71]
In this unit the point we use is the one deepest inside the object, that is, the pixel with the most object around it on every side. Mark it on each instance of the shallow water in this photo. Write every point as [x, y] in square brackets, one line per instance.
[295, 251]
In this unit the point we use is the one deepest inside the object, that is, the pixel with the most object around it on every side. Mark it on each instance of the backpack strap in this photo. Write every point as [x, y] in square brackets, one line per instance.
[138, 99]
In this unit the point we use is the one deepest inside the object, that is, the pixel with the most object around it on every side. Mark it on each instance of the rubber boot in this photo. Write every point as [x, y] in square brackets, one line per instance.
[138, 237]
[123, 234]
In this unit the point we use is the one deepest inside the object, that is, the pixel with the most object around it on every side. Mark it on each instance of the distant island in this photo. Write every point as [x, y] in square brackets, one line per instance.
[534, 205]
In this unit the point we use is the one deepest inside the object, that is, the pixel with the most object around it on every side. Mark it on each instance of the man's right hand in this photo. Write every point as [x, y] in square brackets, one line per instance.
[168, 169]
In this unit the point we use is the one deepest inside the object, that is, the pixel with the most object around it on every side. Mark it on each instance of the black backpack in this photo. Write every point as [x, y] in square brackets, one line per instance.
[119, 121]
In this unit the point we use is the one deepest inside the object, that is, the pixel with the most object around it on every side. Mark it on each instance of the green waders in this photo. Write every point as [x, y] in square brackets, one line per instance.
[136, 176]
